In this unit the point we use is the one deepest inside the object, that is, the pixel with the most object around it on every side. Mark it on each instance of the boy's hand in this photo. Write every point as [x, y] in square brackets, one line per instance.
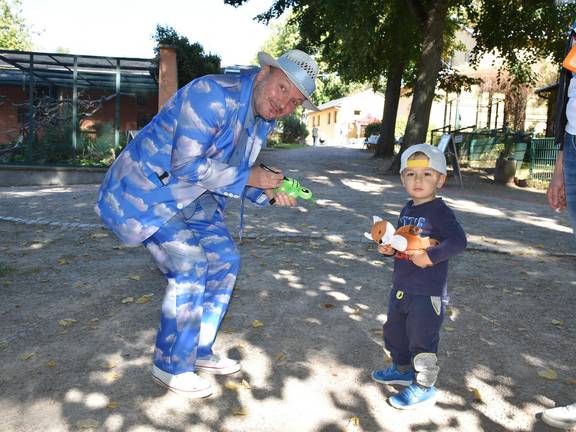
[386, 250]
[420, 258]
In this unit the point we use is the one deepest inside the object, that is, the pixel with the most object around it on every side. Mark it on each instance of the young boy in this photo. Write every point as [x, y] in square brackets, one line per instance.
[419, 295]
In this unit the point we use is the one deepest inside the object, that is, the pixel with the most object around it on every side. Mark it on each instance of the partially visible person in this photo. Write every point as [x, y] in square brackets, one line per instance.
[168, 190]
[420, 293]
[314, 135]
[562, 193]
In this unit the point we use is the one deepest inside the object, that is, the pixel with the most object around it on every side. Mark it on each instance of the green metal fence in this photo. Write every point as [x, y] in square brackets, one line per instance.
[543, 154]
[535, 157]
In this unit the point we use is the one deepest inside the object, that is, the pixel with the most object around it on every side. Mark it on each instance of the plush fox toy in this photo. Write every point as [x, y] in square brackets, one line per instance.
[406, 238]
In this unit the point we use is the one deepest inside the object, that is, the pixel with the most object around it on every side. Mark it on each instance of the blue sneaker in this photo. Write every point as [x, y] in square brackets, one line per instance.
[392, 375]
[413, 397]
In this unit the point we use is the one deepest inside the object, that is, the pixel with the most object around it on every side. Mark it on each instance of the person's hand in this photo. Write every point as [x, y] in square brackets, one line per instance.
[265, 179]
[420, 258]
[387, 250]
[556, 192]
[281, 199]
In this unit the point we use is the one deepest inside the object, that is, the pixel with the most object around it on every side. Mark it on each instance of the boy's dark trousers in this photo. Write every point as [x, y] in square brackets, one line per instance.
[412, 333]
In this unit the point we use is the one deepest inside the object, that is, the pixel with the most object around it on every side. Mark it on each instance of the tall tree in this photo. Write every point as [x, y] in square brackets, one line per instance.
[520, 31]
[191, 60]
[286, 35]
[14, 33]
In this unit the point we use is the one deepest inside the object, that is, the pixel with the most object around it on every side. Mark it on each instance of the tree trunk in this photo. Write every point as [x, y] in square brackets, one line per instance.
[428, 68]
[385, 146]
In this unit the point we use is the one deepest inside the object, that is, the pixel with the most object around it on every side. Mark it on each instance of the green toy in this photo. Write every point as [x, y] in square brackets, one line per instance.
[293, 188]
[290, 187]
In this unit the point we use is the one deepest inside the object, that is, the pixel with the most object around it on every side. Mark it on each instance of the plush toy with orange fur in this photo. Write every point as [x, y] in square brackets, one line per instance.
[405, 239]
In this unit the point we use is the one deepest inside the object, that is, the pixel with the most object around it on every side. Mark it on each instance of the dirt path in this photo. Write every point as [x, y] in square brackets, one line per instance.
[79, 313]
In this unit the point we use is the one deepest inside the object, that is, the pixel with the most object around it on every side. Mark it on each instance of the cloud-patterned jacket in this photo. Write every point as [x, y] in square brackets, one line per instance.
[205, 138]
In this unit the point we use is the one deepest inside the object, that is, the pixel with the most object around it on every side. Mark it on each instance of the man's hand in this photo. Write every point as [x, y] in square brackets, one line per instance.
[420, 258]
[281, 199]
[265, 179]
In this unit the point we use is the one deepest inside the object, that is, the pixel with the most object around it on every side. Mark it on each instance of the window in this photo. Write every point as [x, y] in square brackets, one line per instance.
[335, 112]
[318, 120]
[329, 116]
[356, 112]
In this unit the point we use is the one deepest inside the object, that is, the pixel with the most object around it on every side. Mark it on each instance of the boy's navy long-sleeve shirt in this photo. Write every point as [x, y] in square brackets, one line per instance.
[437, 221]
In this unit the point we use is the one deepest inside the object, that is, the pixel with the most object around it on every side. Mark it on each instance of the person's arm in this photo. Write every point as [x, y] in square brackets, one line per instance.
[556, 193]
[452, 241]
[202, 118]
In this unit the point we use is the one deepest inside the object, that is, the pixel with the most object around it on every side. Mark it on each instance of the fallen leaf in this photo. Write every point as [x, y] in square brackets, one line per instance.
[355, 421]
[112, 405]
[134, 277]
[128, 300]
[246, 384]
[112, 376]
[52, 363]
[143, 299]
[26, 357]
[87, 424]
[476, 395]
[449, 329]
[548, 374]
[63, 261]
[571, 381]
[280, 357]
[240, 412]
[232, 385]
[257, 323]
[558, 323]
[67, 322]
[327, 305]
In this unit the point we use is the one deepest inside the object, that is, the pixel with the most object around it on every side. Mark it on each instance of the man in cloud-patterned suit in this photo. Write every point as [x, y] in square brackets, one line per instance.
[168, 190]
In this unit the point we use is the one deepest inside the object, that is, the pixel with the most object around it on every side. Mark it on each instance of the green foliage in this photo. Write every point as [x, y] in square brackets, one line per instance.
[191, 60]
[14, 33]
[54, 146]
[293, 130]
[522, 32]
[286, 36]
[373, 129]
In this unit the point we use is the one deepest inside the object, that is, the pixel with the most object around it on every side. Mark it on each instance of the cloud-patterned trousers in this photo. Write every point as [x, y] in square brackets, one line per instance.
[200, 262]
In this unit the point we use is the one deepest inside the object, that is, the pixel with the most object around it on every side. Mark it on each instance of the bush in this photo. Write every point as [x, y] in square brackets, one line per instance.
[372, 129]
[293, 130]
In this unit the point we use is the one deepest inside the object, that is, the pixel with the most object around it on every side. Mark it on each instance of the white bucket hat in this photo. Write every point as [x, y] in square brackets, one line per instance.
[436, 159]
[299, 67]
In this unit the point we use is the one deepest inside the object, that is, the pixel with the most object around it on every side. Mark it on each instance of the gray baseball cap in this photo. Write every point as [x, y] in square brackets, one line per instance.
[436, 159]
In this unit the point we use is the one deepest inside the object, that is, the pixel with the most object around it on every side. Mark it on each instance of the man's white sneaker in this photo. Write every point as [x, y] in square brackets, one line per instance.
[563, 417]
[217, 365]
[187, 383]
